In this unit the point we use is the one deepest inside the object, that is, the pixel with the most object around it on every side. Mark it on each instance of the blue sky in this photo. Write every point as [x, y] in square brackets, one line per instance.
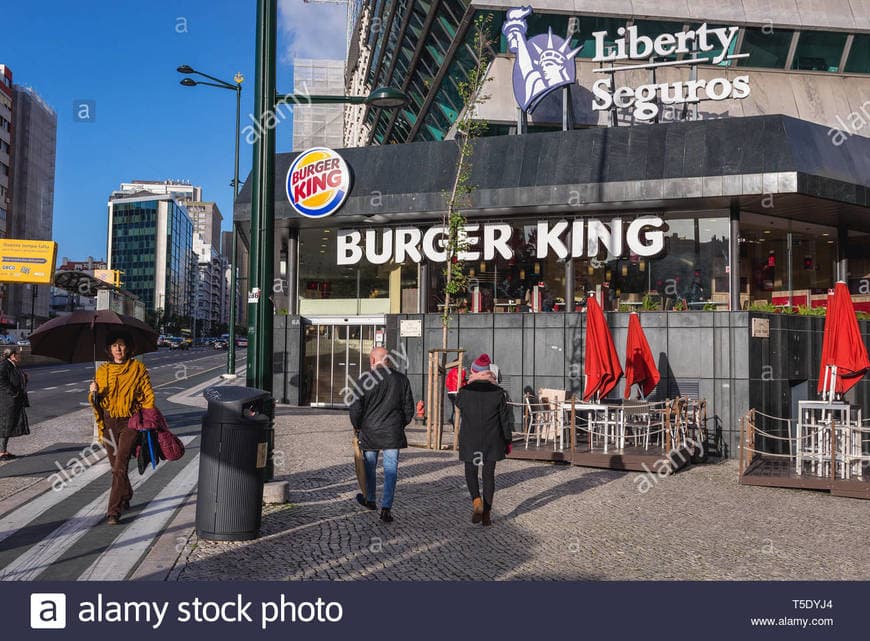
[122, 55]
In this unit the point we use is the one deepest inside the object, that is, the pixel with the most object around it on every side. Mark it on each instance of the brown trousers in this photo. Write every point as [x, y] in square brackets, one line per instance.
[120, 441]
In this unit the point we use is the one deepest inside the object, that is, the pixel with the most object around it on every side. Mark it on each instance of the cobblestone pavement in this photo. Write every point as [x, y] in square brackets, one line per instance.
[550, 522]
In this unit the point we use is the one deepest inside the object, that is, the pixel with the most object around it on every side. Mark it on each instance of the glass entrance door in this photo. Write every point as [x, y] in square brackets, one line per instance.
[336, 355]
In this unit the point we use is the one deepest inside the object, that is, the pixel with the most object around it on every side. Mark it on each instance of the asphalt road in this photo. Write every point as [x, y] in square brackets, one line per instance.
[55, 390]
[58, 531]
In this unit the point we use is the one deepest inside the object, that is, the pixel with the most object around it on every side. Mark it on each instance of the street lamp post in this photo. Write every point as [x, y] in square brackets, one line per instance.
[261, 271]
[236, 86]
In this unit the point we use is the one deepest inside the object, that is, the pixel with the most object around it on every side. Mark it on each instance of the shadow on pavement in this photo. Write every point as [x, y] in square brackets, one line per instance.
[323, 534]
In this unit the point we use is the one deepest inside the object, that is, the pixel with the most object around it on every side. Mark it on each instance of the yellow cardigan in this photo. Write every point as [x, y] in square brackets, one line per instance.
[122, 388]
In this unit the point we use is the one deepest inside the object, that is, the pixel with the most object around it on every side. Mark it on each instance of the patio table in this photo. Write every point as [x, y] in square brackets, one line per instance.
[609, 416]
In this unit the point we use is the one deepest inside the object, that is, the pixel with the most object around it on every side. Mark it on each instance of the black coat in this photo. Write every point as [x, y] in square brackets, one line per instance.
[486, 422]
[383, 406]
[13, 400]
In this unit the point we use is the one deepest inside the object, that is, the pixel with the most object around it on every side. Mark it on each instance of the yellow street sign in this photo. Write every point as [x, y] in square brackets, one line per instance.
[27, 261]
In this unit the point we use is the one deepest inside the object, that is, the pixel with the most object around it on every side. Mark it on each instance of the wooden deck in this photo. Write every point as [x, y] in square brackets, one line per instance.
[776, 472]
[632, 459]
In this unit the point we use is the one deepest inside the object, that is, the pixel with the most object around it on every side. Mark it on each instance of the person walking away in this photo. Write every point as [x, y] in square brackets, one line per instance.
[13, 400]
[379, 416]
[485, 434]
[120, 388]
[453, 382]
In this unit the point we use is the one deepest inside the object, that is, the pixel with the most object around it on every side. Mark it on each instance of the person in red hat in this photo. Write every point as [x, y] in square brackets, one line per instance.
[486, 430]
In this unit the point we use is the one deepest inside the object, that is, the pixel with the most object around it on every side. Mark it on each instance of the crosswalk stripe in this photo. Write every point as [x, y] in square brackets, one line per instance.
[41, 555]
[19, 518]
[118, 560]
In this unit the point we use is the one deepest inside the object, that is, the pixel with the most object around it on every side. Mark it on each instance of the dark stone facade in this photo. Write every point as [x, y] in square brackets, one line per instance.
[709, 355]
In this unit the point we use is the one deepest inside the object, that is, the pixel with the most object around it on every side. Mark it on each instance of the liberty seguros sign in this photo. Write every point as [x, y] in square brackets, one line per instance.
[545, 63]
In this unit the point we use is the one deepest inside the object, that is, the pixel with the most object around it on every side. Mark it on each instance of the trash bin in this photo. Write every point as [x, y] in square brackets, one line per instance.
[237, 431]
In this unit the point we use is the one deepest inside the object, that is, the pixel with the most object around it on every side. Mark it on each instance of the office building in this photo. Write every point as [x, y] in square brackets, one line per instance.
[150, 239]
[32, 187]
[206, 219]
[705, 194]
[807, 59]
[6, 126]
[318, 125]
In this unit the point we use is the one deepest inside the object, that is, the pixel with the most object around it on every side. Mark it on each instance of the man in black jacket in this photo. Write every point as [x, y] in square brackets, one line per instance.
[383, 405]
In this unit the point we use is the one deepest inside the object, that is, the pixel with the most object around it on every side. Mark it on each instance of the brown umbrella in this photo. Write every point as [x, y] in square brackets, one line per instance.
[77, 337]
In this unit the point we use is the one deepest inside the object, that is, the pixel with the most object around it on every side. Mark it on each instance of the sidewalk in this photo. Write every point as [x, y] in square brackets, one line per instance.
[550, 522]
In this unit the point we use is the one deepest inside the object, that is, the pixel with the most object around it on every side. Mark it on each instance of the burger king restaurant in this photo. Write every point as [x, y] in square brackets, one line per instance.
[700, 225]
[650, 197]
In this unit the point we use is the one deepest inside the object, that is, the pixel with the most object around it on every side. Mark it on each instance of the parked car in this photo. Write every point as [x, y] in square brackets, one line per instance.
[164, 341]
[219, 344]
[23, 342]
[241, 342]
[178, 343]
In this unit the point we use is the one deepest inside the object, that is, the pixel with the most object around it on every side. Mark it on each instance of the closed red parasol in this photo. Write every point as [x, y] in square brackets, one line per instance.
[640, 366]
[844, 354]
[602, 367]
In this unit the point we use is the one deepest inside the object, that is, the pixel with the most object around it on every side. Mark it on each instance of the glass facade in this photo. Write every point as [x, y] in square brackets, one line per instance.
[690, 272]
[779, 257]
[135, 246]
[859, 55]
[767, 48]
[819, 51]
[413, 39]
[776, 256]
[328, 288]
[180, 265]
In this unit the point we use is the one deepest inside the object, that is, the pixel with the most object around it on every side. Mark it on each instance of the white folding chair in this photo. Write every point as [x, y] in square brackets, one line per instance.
[537, 415]
[556, 423]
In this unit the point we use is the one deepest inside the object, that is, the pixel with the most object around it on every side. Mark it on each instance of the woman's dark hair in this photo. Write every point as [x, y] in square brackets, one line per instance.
[120, 335]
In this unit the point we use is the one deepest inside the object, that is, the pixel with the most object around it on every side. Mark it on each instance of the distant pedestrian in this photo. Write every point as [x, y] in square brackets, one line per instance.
[485, 434]
[120, 388]
[13, 400]
[380, 415]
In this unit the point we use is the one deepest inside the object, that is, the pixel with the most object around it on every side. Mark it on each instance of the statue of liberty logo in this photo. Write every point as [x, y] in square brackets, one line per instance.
[543, 62]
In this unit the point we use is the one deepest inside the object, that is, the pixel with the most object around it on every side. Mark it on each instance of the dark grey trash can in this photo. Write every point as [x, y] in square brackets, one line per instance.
[237, 431]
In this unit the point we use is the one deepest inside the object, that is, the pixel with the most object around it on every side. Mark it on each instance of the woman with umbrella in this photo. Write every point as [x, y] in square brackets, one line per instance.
[13, 400]
[120, 388]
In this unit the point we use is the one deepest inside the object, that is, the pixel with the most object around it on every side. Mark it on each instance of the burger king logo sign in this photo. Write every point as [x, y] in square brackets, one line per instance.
[318, 182]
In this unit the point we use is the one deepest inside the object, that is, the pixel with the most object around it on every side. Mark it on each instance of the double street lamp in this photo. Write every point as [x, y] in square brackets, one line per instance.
[236, 86]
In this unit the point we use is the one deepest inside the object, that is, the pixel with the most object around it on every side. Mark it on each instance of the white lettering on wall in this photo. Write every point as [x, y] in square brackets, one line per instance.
[643, 237]
[407, 244]
[496, 238]
[470, 241]
[349, 252]
[695, 43]
[654, 241]
[386, 252]
[438, 255]
[548, 238]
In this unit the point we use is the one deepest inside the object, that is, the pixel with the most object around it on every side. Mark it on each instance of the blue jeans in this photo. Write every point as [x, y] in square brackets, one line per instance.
[391, 472]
